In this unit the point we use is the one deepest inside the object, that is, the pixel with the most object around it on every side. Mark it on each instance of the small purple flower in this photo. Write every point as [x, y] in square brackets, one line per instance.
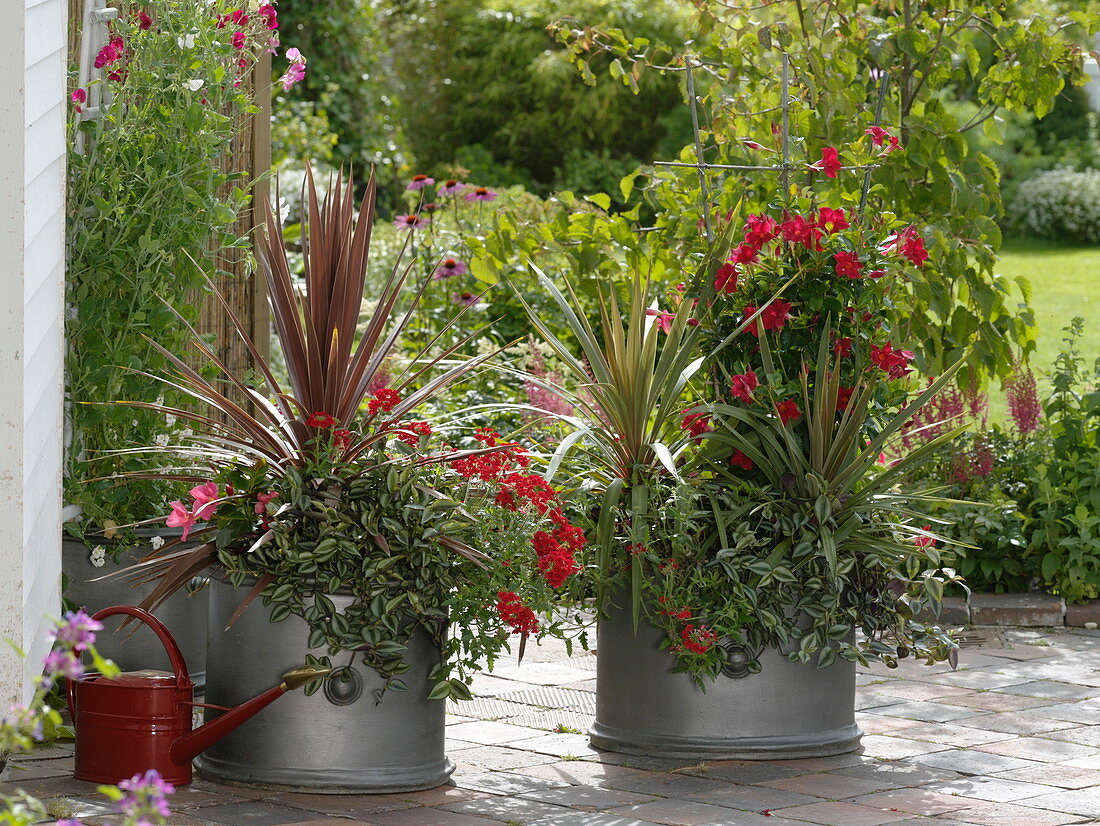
[419, 182]
[145, 795]
[22, 719]
[481, 193]
[61, 663]
[451, 187]
[449, 268]
[466, 298]
[411, 221]
[77, 630]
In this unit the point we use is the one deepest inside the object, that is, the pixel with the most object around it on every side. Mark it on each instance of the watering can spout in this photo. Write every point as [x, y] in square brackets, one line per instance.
[186, 748]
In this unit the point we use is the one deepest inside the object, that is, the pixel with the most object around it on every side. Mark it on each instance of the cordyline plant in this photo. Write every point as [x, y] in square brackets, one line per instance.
[329, 488]
[746, 511]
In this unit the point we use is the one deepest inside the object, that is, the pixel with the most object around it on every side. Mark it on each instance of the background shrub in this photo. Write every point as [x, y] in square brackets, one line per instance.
[1060, 204]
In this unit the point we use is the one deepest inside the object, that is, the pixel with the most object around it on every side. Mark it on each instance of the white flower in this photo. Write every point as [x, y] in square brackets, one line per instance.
[157, 542]
[186, 42]
[99, 556]
[161, 439]
[195, 84]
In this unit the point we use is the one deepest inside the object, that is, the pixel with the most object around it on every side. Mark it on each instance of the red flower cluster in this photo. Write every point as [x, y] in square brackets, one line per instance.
[384, 400]
[798, 230]
[924, 541]
[529, 487]
[411, 432]
[341, 439]
[555, 550]
[684, 613]
[515, 614]
[320, 419]
[696, 424]
[895, 363]
[698, 640]
[491, 467]
[743, 385]
[774, 317]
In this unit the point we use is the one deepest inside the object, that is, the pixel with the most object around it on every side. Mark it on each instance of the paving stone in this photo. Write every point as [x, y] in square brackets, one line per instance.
[1085, 735]
[913, 690]
[903, 773]
[588, 797]
[22, 771]
[1012, 814]
[550, 697]
[251, 813]
[952, 735]
[496, 758]
[1065, 776]
[554, 721]
[53, 751]
[872, 699]
[1016, 723]
[653, 764]
[674, 812]
[1085, 714]
[914, 801]
[1052, 689]
[1076, 801]
[557, 745]
[828, 786]
[836, 761]
[979, 678]
[753, 798]
[883, 747]
[669, 784]
[579, 772]
[502, 782]
[516, 809]
[743, 771]
[993, 701]
[1039, 749]
[439, 795]
[992, 789]
[870, 723]
[430, 817]
[972, 762]
[842, 814]
[589, 819]
[1077, 614]
[1017, 609]
[488, 733]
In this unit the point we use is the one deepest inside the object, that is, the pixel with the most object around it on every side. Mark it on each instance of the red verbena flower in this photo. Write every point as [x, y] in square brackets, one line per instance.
[341, 439]
[847, 265]
[320, 419]
[384, 400]
[515, 614]
[698, 640]
[410, 433]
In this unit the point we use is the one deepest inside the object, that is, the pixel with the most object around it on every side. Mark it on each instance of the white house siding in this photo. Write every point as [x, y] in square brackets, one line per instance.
[32, 227]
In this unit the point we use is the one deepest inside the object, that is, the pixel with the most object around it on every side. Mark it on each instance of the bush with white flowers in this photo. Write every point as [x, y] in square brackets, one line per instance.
[1059, 204]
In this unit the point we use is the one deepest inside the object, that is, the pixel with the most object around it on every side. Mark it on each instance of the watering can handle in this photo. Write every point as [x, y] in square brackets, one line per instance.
[175, 656]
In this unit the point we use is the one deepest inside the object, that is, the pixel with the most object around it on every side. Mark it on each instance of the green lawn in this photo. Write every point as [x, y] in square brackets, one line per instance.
[1066, 282]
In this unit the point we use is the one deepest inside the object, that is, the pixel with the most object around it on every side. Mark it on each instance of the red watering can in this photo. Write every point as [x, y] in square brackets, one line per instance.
[141, 720]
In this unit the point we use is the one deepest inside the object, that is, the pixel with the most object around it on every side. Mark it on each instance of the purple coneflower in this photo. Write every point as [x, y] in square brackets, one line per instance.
[432, 207]
[481, 193]
[450, 267]
[466, 299]
[419, 182]
[451, 187]
[411, 221]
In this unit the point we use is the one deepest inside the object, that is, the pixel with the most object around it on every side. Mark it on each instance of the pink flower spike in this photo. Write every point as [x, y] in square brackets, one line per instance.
[180, 518]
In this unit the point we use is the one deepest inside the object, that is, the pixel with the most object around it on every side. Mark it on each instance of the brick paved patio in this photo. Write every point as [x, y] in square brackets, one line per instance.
[1010, 739]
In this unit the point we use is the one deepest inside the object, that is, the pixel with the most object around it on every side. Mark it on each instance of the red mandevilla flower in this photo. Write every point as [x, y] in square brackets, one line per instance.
[788, 411]
[739, 459]
[774, 317]
[912, 247]
[832, 220]
[829, 163]
[842, 347]
[847, 265]
[924, 541]
[895, 363]
[759, 230]
[743, 385]
[843, 397]
[797, 230]
[725, 280]
[696, 424]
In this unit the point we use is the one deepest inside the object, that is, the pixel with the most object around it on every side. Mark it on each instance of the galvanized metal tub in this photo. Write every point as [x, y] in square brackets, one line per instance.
[184, 613]
[787, 710]
[337, 741]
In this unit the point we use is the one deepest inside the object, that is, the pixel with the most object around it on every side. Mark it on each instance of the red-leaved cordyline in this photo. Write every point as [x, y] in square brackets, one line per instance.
[1023, 401]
